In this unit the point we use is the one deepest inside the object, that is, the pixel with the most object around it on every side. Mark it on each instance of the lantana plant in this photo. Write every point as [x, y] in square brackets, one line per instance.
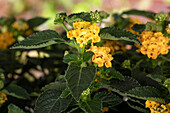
[103, 74]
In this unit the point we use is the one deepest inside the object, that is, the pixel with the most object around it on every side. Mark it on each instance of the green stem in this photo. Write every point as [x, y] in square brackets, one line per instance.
[63, 25]
[101, 22]
[76, 45]
[83, 49]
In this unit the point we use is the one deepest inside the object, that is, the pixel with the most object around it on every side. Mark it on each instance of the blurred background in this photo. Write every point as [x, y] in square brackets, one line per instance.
[48, 8]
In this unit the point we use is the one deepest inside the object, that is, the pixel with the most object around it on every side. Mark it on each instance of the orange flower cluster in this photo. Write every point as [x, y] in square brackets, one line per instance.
[156, 107]
[114, 46]
[153, 44]
[3, 98]
[20, 25]
[168, 29]
[132, 22]
[6, 39]
[84, 32]
[101, 56]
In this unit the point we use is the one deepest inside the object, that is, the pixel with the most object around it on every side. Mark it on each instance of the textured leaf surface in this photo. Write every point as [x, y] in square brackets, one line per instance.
[158, 78]
[50, 101]
[16, 91]
[116, 74]
[93, 106]
[78, 17]
[34, 22]
[14, 109]
[112, 33]
[146, 93]
[70, 58]
[39, 39]
[143, 110]
[123, 86]
[54, 85]
[87, 56]
[79, 79]
[108, 98]
[147, 14]
[138, 28]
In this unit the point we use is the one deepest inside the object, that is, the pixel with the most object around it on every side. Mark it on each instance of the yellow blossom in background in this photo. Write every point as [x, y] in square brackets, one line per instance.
[156, 107]
[132, 22]
[153, 44]
[29, 32]
[168, 28]
[3, 98]
[6, 39]
[101, 56]
[20, 25]
[105, 109]
[114, 46]
[84, 32]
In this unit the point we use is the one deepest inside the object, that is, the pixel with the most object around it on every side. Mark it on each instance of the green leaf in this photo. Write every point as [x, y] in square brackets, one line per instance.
[74, 110]
[16, 91]
[121, 86]
[65, 93]
[14, 109]
[153, 27]
[34, 22]
[1, 84]
[156, 77]
[50, 101]
[87, 56]
[92, 106]
[146, 93]
[143, 110]
[70, 58]
[78, 17]
[139, 28]
[79, 79]
[108, 98]
[39, 40]
[112, 33]
[103, 14]
[147, 14]
[54, 85]
[167, 83]
[116, 74]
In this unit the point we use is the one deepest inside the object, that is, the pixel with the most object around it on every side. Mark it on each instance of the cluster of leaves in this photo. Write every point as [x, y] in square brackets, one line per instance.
[19, 68]
[132, 79]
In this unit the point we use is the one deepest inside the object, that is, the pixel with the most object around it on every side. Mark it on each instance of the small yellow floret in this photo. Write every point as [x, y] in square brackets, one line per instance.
[114, 46]
[105, 109]
[168, 28]
[3, 98]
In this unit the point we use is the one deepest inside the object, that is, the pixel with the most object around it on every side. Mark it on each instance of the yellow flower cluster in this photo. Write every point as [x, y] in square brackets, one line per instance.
[114, 46]
[168, 29]
[101, 56]
[84, 32]
[20, 25]
[3, 98]
[6, 39]
[132, 22]
[153, 44]
[156, 107]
